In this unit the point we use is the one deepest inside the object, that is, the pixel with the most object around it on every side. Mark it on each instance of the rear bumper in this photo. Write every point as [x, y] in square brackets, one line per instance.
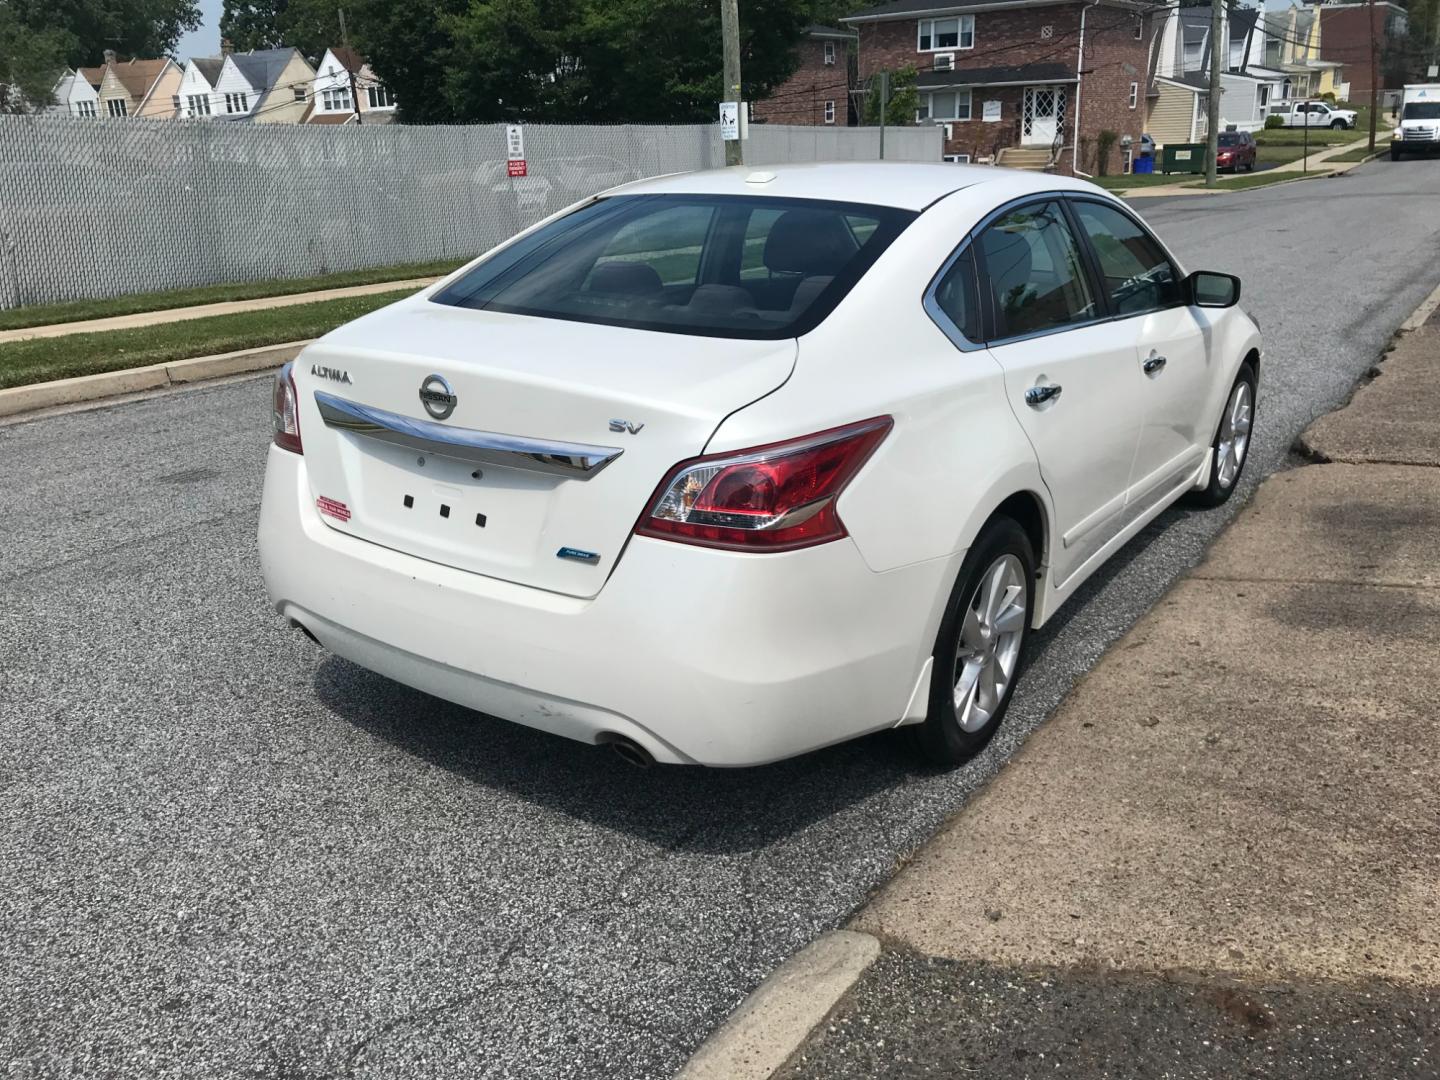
[704, 657]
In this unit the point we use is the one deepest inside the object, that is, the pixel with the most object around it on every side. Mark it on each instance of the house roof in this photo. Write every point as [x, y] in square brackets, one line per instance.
[209, 67]
[262, 68]
[901, 9]
[1242, 21]
[138, 76]
[995, 76]
[1191, 80]
[94, 76]
[329, 118]
[815, 30]
[350, 59]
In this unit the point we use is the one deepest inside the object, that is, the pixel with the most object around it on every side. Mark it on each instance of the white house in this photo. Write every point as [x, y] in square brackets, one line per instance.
[197, 88]
[78, 92]
[332, 100]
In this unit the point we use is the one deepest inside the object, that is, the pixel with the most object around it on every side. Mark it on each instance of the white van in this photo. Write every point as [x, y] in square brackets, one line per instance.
[1419, 129]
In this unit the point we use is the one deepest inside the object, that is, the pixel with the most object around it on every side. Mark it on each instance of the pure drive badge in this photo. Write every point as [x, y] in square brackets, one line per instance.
[437, 397]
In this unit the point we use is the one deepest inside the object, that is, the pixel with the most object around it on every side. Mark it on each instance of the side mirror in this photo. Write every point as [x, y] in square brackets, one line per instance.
[1206, 288]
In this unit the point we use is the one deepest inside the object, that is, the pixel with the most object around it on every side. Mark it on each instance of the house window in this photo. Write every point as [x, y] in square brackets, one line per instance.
[379, 97]
[829, 112]
[299, 93]
[1139, 27]
[237, 103]
[1127, 161]
[117, 107]
[953, 33]
[1262, 97]
[199, 104]
[1134, 94]
[829, 53]
[945, 105]
[175, 102]
[957, 159]
[336, 99]
[85, 108]
[1194, 51]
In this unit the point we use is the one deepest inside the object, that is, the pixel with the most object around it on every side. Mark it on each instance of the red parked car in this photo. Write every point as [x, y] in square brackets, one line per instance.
[1236, 150]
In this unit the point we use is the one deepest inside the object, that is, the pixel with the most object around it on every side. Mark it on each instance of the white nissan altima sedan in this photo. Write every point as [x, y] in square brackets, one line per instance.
[725, 467]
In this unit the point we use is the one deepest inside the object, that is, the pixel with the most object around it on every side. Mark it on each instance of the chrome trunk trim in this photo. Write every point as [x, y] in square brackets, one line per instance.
[577, 461]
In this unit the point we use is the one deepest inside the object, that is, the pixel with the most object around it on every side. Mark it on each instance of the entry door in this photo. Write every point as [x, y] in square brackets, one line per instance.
[1073, 383]
[1044, 114]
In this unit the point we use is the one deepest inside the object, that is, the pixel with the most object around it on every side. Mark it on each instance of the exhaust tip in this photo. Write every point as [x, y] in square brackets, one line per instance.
[631, 751]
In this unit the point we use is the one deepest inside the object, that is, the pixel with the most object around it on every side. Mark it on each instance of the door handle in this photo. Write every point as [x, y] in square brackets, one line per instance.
[1154, 365]
[1039, 395]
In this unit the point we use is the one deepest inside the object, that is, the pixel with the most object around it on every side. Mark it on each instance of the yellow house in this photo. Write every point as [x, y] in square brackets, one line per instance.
[144, 88]
[1293, 47]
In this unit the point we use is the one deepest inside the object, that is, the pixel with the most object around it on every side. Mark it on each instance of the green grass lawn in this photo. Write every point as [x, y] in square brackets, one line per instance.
[78, 310]
[1279, 155]
[42, 359]
[1120, 183]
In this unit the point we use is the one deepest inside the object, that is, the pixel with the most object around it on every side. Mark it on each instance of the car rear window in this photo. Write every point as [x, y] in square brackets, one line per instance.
[1229, 140]
[721, 266]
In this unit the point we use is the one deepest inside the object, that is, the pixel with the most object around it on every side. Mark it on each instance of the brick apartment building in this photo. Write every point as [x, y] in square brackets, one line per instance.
[1021, 82]
[819, 91]
[1345, 40]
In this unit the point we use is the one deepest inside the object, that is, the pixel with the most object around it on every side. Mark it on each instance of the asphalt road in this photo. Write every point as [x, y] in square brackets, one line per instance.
[226, 854]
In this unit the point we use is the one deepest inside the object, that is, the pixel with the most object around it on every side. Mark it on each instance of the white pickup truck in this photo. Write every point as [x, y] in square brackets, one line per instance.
[1315, 114]
[1419, 129]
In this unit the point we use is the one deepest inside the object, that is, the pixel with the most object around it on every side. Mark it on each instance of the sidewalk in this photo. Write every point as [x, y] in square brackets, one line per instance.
[1301, 168]
[205, 311]
[1221, 856]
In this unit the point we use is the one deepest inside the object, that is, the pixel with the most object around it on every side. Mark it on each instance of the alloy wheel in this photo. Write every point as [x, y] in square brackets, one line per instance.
[1234, 440]
[989, 647]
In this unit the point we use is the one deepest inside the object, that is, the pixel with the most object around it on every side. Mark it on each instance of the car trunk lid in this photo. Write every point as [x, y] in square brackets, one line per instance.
[541, 443]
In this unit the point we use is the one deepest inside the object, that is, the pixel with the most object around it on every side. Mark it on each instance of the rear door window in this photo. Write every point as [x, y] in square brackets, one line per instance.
[1034, 272]
[725, 266]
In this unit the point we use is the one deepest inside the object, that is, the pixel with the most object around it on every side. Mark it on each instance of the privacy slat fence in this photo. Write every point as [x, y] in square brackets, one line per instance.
[95, 208]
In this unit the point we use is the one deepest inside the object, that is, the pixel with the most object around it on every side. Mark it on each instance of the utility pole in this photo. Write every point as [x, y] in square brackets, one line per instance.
[730, 31]
[884, 102]
[1374, 71]
[1212, 121]
[354, 90]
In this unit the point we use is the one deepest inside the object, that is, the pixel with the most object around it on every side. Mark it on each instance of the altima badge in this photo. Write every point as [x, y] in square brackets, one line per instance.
[333, 374]
[437, 397]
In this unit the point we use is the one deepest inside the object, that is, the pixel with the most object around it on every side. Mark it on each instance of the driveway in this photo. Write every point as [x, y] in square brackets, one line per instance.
[228, 854]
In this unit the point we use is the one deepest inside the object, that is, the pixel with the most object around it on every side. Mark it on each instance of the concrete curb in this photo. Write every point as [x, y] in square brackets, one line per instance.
[23, 399]
[774, 1021]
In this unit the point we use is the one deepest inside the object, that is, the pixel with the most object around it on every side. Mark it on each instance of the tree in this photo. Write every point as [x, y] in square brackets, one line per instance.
[904, 100]
[572, 61]
[30, 63]
[145, 28]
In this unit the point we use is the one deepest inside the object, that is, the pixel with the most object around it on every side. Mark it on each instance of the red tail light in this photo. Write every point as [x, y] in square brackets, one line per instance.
[287, 410]
[771, 498]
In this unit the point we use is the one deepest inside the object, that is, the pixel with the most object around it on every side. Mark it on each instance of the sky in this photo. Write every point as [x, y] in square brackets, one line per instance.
[206, 40]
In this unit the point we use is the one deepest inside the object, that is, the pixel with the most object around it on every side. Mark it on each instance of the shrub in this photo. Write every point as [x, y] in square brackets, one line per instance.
[1103, 143]
[1272, 122]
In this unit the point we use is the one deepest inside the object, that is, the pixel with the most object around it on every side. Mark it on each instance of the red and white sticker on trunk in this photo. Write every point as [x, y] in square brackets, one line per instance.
[333, 507]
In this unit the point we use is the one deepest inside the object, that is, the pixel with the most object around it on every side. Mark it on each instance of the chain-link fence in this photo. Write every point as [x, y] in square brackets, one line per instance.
[91, 209]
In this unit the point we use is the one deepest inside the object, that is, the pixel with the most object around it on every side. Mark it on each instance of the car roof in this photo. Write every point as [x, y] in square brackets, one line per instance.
[905, 185]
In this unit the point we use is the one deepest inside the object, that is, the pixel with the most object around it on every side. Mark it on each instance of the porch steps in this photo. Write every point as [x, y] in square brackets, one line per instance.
[1030, 158]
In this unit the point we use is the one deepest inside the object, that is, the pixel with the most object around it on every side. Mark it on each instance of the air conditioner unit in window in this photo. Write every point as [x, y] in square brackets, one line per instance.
[944, 61]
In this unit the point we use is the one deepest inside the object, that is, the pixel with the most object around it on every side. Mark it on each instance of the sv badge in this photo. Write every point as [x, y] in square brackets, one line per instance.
[625, 425]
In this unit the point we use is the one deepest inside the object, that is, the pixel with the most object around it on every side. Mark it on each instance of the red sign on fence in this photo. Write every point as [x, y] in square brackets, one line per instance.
[517, 168]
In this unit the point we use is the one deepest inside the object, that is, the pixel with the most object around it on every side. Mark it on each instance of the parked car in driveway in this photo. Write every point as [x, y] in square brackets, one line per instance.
[725, 467]
[1235, 150]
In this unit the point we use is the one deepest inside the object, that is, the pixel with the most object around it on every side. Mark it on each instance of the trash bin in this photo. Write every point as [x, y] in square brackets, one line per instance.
[1144, 165]
[1182, 158]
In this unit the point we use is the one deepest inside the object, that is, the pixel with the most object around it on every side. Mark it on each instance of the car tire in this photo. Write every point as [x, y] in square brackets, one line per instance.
[1395, 154]
[1338, 125]
[981, 644]
[1230, 449]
